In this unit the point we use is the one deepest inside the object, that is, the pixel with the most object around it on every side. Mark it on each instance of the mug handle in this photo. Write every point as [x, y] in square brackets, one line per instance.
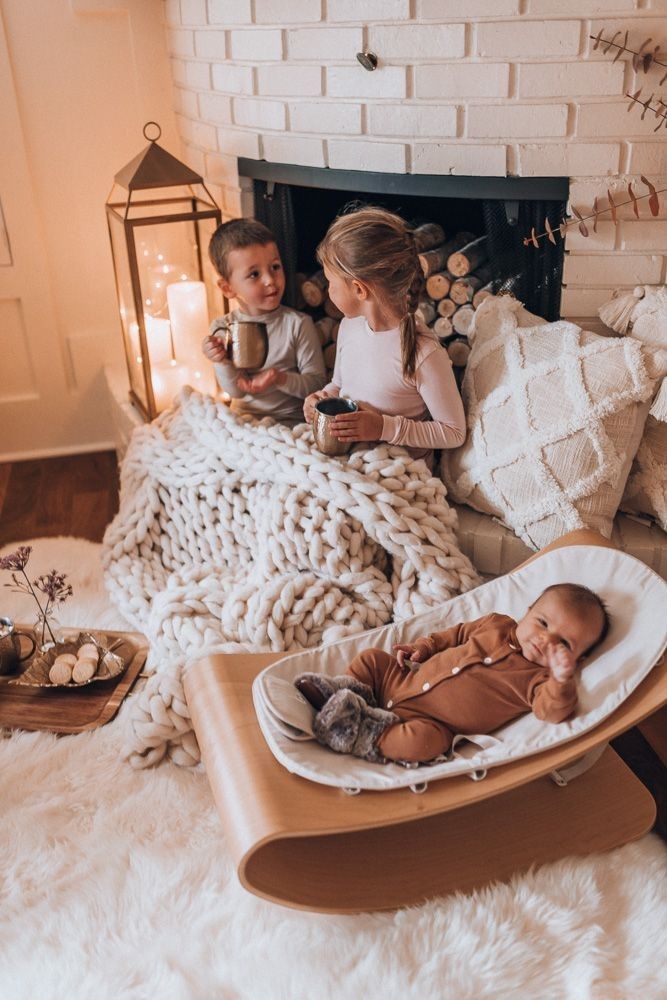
[27, 635]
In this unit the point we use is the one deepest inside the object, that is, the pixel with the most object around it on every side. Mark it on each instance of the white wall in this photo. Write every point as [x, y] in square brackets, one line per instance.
[480, 87]
[85, 76]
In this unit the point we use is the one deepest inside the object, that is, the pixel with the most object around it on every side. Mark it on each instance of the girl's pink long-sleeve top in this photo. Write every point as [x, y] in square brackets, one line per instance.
[422, 412]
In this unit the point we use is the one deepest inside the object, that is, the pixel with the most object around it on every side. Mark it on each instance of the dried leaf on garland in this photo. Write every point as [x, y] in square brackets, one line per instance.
[638, 58]
[653, 201]
[562, 228]
[533, 237]
[550, 232]
[622, 48]
[635, 206]
[612, 208]
[595, 214]
[583, 228]
[611, 41]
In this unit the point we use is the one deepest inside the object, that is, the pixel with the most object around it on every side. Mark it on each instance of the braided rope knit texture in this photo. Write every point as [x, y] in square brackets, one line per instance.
[237, 534]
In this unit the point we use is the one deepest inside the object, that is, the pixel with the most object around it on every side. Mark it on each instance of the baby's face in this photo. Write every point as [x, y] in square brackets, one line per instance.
[552, 622]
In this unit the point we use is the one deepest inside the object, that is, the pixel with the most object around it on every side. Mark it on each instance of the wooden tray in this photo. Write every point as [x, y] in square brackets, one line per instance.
[71, 710]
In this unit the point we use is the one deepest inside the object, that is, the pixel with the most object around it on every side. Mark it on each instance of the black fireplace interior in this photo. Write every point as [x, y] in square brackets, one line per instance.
[298, 204]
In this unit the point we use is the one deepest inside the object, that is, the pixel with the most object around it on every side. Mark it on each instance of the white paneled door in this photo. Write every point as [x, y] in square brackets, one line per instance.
[32, 374]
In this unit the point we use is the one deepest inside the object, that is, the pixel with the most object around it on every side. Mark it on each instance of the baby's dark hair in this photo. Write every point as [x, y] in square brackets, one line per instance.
[235, 235]
[583, 599]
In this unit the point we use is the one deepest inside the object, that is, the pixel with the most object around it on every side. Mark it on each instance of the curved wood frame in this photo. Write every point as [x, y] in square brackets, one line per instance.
[309, 846]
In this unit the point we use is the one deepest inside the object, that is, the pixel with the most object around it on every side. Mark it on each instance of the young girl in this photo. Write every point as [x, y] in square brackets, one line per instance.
[400, 377]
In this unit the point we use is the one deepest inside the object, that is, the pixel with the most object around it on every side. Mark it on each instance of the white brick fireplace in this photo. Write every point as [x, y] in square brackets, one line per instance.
[481, 88]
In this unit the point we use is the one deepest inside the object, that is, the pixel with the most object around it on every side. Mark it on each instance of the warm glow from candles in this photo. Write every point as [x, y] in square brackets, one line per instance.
[167, 382]
[188, 312]
[158, 336]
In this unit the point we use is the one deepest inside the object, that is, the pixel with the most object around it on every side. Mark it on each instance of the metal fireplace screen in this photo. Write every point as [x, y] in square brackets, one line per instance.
[299, 216]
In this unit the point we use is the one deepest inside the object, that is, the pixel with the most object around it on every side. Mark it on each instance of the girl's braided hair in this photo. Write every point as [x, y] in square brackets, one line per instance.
[377, 247]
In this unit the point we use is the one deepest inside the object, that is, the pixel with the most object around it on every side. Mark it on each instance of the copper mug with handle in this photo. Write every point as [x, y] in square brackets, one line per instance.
[245, 341]
[326, 410]
[10, 646]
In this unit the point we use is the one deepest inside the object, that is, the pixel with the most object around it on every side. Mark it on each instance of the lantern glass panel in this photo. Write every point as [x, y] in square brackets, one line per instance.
[128, 316]
[168, 254]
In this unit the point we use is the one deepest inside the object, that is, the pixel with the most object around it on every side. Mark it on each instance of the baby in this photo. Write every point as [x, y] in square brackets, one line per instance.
[471, 678]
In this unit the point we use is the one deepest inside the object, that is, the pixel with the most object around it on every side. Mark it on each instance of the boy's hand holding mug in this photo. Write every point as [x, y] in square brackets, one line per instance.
[214, 349]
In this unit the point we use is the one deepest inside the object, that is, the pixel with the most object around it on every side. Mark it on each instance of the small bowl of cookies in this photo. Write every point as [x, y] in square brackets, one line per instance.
[82, 659]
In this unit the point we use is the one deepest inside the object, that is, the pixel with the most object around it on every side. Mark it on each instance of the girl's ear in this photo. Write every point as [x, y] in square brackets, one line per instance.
[361, 290]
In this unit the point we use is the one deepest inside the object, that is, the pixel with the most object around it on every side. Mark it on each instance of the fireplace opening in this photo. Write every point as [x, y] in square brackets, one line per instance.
[299, 203]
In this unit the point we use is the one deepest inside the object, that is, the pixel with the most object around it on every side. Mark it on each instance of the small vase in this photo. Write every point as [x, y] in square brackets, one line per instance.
[46, 635]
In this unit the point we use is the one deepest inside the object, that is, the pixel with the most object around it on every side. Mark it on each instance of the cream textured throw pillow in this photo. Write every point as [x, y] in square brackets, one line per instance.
[646, 489]
[554, 415]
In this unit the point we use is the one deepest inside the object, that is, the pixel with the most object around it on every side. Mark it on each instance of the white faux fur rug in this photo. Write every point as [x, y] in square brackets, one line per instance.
[116, 884]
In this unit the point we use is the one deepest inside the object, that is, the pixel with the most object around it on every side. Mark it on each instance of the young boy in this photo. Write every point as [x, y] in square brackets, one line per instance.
[471, 678]
[245, 255]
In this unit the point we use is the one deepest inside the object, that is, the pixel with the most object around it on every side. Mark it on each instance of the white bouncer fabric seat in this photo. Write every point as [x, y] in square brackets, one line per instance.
[637, 601]
[306, 844]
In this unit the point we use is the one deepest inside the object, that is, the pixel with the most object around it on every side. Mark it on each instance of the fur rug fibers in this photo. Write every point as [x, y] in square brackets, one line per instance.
[115, 883]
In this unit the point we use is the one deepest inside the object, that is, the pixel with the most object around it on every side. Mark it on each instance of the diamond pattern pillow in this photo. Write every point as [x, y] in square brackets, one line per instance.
[555, 415]
[646, 489]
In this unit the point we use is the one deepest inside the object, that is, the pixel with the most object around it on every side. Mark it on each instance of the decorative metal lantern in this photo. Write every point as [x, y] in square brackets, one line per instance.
[165, 284]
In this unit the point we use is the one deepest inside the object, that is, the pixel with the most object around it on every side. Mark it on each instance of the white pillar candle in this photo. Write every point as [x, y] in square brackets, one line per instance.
[158, 337]
[188, 313]
[167, 381]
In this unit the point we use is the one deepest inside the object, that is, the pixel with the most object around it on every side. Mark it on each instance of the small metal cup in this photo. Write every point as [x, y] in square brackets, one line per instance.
[246, 343]
[325, 412]
[10, 646]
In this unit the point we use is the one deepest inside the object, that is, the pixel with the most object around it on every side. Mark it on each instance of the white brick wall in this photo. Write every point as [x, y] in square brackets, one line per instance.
[332, 119]
[484, 87]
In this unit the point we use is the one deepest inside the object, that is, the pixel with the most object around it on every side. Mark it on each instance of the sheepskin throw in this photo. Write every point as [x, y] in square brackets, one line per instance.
[555, 415]
[237, 531]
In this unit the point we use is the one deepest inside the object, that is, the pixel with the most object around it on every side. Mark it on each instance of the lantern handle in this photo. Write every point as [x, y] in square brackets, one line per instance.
[146, 135]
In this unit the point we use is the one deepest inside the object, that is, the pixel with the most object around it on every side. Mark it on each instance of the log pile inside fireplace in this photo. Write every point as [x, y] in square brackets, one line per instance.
[457, 277]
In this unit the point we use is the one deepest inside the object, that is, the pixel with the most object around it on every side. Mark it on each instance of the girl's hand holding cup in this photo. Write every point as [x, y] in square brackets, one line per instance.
[214, 349]
[311, 401]
[364, 425]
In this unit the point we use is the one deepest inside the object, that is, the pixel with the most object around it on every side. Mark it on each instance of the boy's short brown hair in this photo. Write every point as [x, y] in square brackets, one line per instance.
[235, 235]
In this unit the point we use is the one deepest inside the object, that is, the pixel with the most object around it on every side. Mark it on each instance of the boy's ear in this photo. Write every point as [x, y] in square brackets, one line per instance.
[224, 287]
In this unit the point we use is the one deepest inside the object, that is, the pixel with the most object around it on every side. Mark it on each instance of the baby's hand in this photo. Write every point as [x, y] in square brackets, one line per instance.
[562, 664]
[214, 349]
[261, 382]
[407, 651]
[310, 402]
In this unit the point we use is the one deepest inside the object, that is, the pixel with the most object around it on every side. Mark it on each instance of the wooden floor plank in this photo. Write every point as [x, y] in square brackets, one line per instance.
[69, 495]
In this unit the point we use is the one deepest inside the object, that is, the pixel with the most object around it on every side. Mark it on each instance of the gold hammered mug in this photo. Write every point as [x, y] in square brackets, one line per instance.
[326, 410]
[10, 646]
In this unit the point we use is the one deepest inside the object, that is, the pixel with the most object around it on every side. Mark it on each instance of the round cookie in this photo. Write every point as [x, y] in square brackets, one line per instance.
[68, 658]
[84, 669]
[60, 673]
[88, 651]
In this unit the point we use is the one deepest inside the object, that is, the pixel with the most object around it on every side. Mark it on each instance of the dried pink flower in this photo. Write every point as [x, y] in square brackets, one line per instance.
[16, 560]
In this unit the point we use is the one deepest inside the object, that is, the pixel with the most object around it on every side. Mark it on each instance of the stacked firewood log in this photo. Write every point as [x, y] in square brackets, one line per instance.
[457, 277]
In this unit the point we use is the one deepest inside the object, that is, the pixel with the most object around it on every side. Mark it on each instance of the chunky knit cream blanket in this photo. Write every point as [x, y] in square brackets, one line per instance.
[238, 534]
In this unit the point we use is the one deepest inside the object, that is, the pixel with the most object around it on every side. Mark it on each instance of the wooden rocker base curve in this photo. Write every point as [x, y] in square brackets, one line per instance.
[313, 847]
